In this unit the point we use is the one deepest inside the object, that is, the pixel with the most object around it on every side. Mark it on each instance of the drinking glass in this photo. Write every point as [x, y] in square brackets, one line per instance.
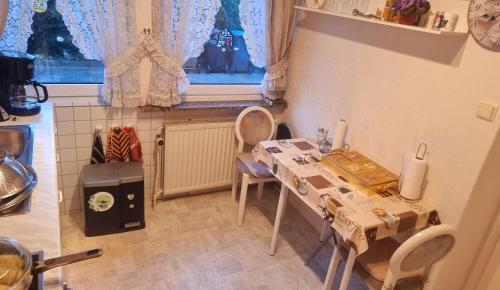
[326, 146]
[322, 135]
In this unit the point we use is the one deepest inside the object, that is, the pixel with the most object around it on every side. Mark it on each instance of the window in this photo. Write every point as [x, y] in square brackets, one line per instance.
[58, 60]
[225, 59]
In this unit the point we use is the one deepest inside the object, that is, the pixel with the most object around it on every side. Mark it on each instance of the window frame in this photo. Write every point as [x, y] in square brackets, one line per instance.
[65, 94]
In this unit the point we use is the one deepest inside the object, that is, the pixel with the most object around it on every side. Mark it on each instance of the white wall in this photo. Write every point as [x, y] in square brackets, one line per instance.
[397, 88]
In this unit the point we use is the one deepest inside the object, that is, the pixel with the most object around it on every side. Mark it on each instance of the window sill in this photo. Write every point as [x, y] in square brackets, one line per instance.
[203, 106]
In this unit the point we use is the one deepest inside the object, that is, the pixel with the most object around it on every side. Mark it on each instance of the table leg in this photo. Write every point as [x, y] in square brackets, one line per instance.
[348, 269]
[326, 231]
[332, 269]
[279, 214]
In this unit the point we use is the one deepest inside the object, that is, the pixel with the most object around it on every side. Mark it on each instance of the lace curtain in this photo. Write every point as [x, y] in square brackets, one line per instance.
[4, 9]
[181, 35]
[17, 25]
[280, 25]
[106, 30]
[253, 15]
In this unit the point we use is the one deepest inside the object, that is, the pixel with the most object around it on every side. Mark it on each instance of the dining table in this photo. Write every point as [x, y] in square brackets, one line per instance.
[357, 217]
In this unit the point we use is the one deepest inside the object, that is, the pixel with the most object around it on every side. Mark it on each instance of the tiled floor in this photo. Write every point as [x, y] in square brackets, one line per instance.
[193, 243]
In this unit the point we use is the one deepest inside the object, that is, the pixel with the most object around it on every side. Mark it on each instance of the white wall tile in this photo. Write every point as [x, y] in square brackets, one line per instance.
[146, 148]
[65, 128]
[143, 115]
[82, 113]
[158, 114]
[83, 140]
[64, 114]
[102, 123]
[144, 136]
[70, 180]
[98, 113]
[69, 168]
[71, 193]
[81, 164]
[82, 127]
[144, 124]
[129, 113]
[66, 142]
[147, 171]
[72, 205]
[111, 123]
[114, 114]
[147, 160]
[130, 123]
[156, 123]
[67, 155]
[84, 154]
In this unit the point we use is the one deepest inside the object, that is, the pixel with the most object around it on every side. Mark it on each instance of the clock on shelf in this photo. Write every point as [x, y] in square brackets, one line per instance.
[484, 23]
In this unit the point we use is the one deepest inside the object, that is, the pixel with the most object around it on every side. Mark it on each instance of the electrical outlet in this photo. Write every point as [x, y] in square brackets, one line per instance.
[487, 111]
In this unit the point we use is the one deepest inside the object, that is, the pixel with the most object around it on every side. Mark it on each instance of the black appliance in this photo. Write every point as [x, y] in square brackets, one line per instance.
[16, 72]
[113, 198]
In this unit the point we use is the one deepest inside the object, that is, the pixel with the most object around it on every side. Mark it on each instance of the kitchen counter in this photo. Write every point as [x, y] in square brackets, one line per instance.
[40, 229]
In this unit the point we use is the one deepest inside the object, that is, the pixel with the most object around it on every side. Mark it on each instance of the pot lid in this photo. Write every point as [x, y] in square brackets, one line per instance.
[14, 257]
[14, 178]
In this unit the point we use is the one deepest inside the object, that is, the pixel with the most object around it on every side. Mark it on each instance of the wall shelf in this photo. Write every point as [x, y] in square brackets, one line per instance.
[458, 32]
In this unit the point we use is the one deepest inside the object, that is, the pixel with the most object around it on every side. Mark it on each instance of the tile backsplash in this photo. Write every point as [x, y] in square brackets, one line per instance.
[75, 128]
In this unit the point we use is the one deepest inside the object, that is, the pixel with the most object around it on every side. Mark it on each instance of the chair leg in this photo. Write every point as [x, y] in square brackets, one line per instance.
[260, 190]
[390, 280]
[235, 184]
[243, 199]
[285, 207]
[332, 269]
[349, 264]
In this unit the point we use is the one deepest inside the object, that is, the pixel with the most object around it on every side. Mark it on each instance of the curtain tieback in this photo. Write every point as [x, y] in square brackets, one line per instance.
[170, 64]
[133, 57]
[277, 70]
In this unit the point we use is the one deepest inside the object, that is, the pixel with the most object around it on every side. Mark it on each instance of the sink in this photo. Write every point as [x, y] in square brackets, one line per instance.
[17, 141]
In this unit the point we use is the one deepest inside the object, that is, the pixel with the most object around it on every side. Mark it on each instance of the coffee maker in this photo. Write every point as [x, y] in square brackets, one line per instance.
[16, 72]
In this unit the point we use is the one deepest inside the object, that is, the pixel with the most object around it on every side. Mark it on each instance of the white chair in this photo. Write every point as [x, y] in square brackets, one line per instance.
[253, 125]
[388, 264]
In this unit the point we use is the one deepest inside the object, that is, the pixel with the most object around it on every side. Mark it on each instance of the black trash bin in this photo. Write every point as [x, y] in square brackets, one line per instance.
[113, 198]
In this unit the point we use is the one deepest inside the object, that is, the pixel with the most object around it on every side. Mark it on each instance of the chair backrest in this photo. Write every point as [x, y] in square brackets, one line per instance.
[421, 251]
[283, 131]
[254, 124]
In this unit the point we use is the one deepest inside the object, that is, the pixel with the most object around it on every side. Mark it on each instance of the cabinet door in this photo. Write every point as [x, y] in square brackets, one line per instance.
[132, 205]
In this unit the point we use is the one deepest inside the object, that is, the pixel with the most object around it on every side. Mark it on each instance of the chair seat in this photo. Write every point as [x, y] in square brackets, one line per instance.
[373, 266]
[251, 167]
[376, 260]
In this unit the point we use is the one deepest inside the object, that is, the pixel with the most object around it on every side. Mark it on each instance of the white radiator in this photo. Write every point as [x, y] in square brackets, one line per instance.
[198, 157]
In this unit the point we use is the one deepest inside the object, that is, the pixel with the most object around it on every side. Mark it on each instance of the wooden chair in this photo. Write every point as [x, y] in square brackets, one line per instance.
[253, 125]
[389, 265]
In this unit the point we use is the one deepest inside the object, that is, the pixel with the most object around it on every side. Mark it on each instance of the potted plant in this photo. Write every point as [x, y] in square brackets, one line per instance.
[410, 11]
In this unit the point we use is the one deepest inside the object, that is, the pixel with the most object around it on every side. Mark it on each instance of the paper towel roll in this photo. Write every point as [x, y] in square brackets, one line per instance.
[414, 179]
[338, 141]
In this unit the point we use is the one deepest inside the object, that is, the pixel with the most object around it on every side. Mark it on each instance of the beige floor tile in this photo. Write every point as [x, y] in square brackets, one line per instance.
[193, 243]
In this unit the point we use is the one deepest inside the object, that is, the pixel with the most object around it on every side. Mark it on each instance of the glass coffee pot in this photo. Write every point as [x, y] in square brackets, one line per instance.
[22, 104]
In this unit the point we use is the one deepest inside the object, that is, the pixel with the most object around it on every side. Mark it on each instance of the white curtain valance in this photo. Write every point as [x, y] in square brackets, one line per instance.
[17, 28]
[105, 30]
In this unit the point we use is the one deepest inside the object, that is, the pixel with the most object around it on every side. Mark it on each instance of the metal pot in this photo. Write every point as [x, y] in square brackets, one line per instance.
[17, 267]
[17, 182]
[14, 176]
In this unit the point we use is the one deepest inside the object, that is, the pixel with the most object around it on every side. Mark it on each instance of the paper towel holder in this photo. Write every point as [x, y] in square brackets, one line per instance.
[420, 147]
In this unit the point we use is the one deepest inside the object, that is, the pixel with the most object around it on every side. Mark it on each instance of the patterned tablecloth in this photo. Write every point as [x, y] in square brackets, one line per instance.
[355, 217]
